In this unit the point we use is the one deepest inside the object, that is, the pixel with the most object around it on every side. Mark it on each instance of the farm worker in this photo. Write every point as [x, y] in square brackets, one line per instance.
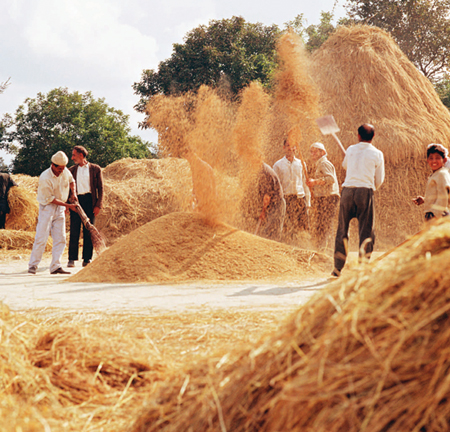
[6, 183]
[53, 191]
[326, 194]
[89, 181]
[365, 173]
[437, 190]
[270, 204]
[296, 193]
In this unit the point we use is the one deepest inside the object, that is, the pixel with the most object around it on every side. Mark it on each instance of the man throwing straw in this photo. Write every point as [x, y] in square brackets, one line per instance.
[365, 173]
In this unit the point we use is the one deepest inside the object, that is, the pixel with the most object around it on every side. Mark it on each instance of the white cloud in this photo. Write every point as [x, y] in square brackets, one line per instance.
[89, 33]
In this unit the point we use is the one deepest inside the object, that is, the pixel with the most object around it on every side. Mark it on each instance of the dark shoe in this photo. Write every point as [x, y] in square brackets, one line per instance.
[85, 263]
[71, 263]
[59, 270]
[335, 273]
[32, 270]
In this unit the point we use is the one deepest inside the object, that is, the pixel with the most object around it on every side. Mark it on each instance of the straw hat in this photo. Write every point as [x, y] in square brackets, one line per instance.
[60, 158]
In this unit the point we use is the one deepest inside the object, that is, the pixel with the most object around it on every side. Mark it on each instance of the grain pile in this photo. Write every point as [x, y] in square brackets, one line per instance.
[183, 247]
[370, 352]
[364, 77]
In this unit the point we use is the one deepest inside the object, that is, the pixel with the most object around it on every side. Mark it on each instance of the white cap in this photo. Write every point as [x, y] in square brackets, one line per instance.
[440, 147]
[60, 158]
[319, 145]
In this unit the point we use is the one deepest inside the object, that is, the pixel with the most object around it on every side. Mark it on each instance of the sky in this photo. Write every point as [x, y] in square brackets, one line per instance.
[102, 46]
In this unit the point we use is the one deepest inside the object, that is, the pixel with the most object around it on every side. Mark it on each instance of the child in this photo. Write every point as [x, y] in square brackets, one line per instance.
[436, 200]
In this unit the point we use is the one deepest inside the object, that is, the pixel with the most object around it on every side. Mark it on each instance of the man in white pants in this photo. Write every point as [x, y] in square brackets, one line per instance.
[53, 191]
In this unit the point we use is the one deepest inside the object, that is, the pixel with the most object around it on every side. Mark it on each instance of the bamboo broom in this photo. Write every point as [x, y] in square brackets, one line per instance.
[96, 237]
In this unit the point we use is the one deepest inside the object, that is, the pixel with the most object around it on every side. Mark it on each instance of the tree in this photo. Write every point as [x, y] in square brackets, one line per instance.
[420, 27]
[230, 49]
[61, 120]
[3, 166]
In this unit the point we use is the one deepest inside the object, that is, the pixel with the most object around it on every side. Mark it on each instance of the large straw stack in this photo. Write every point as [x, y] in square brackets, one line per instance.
[363, 77]
[368, 353]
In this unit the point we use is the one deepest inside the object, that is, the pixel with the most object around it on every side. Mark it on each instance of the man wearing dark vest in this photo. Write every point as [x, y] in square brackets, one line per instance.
[89, 181]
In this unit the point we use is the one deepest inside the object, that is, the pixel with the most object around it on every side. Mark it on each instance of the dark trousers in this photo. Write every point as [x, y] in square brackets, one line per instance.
[355, 203]
[75, 228]
[2, 219]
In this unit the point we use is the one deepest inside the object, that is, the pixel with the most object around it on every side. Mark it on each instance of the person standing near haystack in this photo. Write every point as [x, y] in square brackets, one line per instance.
[89, 181]
[6, 183]
[296, 193]
[270, 203]
[53, 191]
[365, 173]
[437, 191]
[326, 194]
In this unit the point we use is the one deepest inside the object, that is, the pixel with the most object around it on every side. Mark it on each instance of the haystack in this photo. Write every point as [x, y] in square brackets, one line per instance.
[363, 77]
[18, 240]
[23, 204]
[138, 191]
[182, 247]
[370, 352]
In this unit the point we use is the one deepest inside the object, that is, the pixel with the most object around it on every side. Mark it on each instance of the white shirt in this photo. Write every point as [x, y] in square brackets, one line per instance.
[51, 186]
[83, 180]
[365, 166]
[292, 178]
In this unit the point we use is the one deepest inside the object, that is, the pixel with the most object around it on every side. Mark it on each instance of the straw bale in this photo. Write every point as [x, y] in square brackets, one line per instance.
[370, 352]
[24, 209]
[17, 240]
[182, 247]
[364, 77]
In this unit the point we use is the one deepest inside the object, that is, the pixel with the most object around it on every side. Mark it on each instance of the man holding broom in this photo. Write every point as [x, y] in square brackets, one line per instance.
[53, 191]
[365, 173]
[89, 181]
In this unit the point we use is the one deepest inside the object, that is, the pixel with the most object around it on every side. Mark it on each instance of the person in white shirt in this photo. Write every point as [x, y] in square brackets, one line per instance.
[297, 195]
[365, 174]
[437, 191]
[325, 201]
[53, 191]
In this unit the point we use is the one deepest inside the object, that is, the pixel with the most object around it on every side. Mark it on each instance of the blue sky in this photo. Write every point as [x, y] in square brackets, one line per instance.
[103, 46]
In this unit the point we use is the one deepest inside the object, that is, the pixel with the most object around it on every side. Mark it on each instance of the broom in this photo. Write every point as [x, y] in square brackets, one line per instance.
[97, 240]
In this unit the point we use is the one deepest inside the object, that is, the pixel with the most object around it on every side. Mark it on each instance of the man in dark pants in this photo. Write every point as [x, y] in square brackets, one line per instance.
[89, 180]
[6, 182]
[365, 173]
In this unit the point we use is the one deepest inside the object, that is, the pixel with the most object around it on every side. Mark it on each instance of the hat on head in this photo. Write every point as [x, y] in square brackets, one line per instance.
[319, 145]
[60, 158]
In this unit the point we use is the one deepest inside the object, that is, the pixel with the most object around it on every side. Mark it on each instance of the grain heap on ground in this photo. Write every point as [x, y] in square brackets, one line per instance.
[184, 247]
[370, 352]
[364, 77]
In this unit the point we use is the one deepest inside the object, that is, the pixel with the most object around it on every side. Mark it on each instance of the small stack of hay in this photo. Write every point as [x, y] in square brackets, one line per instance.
[370, 352]
[364, 77]
[183, 247]
[138, 191]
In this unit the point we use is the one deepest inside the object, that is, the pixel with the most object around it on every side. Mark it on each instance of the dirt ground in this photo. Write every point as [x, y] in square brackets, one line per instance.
[22, 291]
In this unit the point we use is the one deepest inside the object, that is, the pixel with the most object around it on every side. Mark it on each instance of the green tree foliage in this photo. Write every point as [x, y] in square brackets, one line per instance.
[231, 50]
[61, 120]
[3, 166]
[420, 27]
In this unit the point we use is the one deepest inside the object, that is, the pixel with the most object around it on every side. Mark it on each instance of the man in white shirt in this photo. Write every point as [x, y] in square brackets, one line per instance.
[53, 191]
[89, 181]
[296, 193]
[365, 173]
